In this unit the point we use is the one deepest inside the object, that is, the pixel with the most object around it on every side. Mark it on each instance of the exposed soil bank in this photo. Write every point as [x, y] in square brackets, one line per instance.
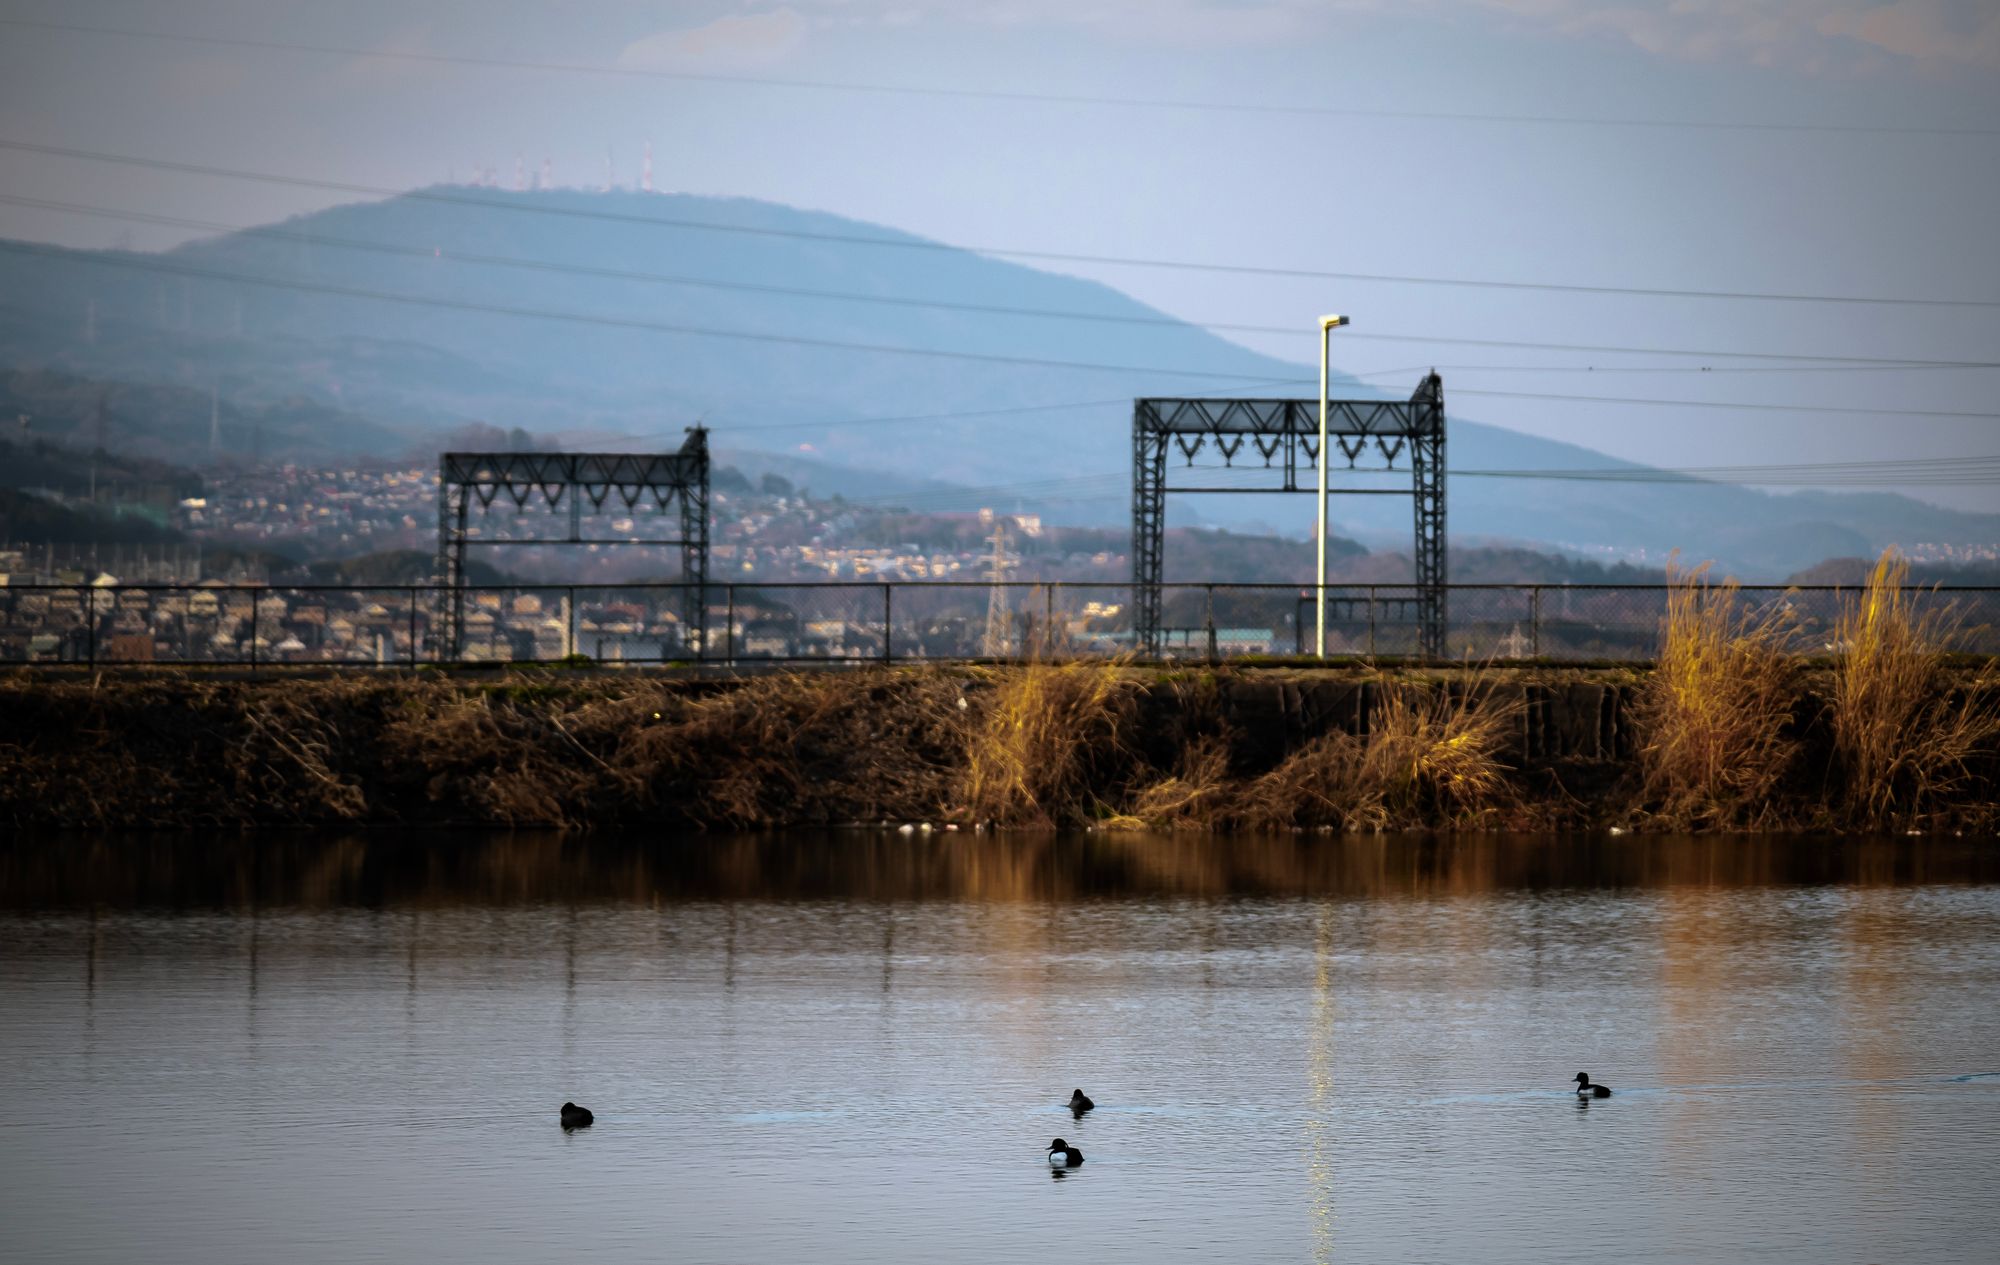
[1347, 749]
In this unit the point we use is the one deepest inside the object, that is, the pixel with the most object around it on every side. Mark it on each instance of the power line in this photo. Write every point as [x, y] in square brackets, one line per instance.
[161, 266]
[979, 94]
[1350, 335]
[1916, 472]
[1124, 400]
[1720, 404]
[1975, 471]
[434, 253]
[916, 243]
[430, 254]
[1699, 369]
[663, 327]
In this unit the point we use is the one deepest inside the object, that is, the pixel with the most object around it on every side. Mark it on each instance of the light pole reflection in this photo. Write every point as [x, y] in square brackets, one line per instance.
[1319, 1072]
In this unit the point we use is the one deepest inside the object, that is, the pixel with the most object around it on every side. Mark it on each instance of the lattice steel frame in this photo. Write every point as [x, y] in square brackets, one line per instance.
[562, 480]
[1285, 433]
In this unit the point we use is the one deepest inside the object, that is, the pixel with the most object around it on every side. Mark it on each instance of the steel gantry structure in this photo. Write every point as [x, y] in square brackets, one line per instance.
[1285, 434]
[564, 482]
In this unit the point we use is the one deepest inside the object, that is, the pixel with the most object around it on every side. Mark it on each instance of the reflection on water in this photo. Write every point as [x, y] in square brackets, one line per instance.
[368, 870]
[1319, 1070]
[857, 1046]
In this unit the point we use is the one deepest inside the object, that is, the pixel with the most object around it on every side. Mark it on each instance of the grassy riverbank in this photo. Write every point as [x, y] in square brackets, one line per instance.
[1037, 746]
[1727, 732]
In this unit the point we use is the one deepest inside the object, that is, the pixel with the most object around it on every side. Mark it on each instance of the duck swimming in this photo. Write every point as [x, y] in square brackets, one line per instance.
[1584, 1089]
[1079, 1102]
[575, 1117]
[1063, 1155]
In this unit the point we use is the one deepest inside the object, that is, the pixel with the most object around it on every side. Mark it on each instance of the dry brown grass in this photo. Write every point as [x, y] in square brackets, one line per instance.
[1438, 752]
[803, 747]
[298, 751]
[1320, 784]
[1717, 710]
[481, 757]
[1049, 741]
[1434, 755]
[1196, 796]
[1908, 736]
[1907, 728]
[530, 749]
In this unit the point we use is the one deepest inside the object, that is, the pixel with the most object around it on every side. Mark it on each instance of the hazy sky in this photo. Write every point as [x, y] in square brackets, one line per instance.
[1827, 207]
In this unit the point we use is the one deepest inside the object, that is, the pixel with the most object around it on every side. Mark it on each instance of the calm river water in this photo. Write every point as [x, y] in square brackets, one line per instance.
[856, 1048]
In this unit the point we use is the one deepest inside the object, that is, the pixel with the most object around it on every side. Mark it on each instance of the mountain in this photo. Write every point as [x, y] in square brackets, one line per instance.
[27, 519]
[163, 421]
[298, 326]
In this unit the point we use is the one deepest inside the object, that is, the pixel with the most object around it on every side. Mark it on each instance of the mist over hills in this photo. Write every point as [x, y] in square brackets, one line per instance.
[287, 333]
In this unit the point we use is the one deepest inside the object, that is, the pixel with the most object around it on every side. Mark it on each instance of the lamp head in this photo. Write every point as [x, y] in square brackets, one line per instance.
[1332, 322]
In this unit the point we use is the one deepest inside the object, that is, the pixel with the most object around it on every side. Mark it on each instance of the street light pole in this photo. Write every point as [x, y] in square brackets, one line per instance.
[1327, 324]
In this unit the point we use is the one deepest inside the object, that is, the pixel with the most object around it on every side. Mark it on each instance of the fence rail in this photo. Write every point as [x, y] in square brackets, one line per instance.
[854, 621]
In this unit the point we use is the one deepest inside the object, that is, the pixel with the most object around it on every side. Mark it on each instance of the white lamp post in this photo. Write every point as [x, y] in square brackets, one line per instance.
[1327, 324]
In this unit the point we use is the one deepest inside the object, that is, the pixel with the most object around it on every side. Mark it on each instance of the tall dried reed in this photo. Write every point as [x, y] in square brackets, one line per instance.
[1048, 744]
[1717, 708]
[1196, 796]
[1437, 752]
[1434, 755]
[1907, 728]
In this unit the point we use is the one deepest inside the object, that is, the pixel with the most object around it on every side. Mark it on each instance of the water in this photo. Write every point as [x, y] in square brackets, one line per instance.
[856, 1048]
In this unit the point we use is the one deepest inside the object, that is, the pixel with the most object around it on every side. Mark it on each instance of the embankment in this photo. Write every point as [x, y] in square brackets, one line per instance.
[1060, 745]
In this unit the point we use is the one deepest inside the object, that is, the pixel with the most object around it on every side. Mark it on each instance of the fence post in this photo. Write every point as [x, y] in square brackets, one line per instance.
[1208, 621]
[90, 622]
[253, 632]
[569, 609]
[1535, 621]
[888, 623]
[1371, 621]
[413, 625]
[729, 626]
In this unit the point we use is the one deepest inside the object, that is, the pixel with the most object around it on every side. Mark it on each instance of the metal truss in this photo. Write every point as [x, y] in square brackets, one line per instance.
[566, 481]
[1284, 434]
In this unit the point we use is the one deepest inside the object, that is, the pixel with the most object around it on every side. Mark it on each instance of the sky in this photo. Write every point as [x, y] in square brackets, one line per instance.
[1826, 148]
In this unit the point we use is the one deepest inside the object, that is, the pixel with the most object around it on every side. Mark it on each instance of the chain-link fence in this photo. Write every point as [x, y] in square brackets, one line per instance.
[861, 622]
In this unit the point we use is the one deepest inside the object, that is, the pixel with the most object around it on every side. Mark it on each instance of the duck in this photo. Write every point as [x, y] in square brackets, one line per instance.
[575, 1117]
[1079, 1102]
[1063, 1155]
[1584, 1089]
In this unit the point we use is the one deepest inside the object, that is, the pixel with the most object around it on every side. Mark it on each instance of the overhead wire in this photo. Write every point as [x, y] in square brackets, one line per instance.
[908, 242]
[953, 415]
[1946, 470]
[1721, 370]
[665, 327]
[981, 94]
[173, 269]
[1938, 472]
[1734, 405]
[432, 253]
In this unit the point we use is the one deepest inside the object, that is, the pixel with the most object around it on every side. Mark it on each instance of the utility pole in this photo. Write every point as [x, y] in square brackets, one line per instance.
[995, 644]
[1327, 324]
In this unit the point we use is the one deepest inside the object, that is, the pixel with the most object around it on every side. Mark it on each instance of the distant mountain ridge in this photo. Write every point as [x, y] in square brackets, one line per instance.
[292, 340]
